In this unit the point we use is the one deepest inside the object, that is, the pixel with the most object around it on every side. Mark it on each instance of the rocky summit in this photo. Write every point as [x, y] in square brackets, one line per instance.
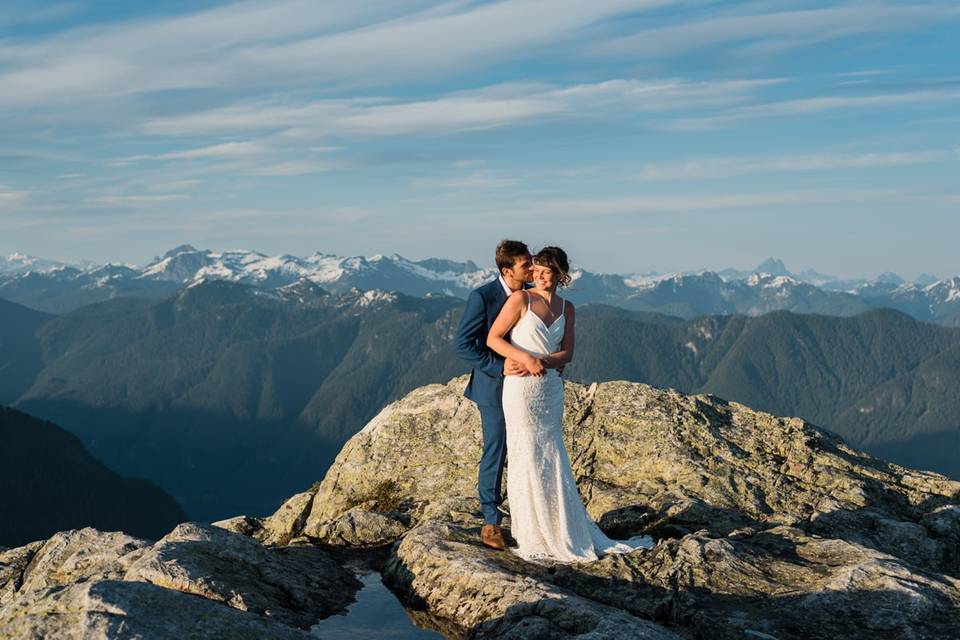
[765, 527]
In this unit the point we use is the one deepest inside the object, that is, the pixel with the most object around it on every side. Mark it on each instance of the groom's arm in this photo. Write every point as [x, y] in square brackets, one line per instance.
[470, 342]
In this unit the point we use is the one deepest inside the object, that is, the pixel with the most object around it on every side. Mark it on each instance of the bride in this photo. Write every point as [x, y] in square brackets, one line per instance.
[549, 520]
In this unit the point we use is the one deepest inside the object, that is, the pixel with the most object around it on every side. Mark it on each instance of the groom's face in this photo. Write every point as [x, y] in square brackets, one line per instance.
[522, 269]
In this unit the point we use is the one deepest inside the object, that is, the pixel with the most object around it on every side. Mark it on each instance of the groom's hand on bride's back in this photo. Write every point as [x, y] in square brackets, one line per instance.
[514, 368]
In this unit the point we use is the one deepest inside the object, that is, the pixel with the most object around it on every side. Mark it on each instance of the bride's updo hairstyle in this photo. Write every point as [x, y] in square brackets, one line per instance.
[556, 259]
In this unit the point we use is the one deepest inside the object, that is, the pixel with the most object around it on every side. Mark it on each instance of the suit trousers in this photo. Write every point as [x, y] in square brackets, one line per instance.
[491, 462]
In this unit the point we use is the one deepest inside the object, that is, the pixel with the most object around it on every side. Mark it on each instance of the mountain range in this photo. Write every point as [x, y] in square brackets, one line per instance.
[224, 394]
[230, 396]
[57, 288]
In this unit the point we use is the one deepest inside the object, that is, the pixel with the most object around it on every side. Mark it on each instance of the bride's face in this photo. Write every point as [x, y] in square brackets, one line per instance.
[544, 278]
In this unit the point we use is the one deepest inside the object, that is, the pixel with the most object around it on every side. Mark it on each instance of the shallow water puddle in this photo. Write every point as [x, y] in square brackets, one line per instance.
[376, 614]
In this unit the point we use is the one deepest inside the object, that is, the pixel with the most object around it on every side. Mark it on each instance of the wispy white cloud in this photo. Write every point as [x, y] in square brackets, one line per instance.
[774, 200]
[725, 167]
[266, 157]
[476, 180]
[810, 106]
[10, 198]
[485, 108]
[222, 150]
[863, 73]
[463, 32]
[137, 200]
[248, 45]
[294, 168]
[175, 185]
[175, 52]
[779, 30]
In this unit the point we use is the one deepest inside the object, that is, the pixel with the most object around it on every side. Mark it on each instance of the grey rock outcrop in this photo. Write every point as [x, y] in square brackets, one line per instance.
[13, 564]
[92, 584]
[766, 526]
[66, 557]
[295, 585]
[493, 596]
[127, 610]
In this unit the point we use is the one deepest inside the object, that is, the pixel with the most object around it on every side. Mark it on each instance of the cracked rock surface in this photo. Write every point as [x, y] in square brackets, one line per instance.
[766, 526]
[296, 585]
[120, 610]
[198, 581]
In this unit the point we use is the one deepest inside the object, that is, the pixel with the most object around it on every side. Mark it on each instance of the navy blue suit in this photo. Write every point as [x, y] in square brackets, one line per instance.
[486, 389]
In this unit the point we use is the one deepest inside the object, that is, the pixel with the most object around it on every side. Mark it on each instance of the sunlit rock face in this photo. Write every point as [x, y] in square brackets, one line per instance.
[764, 524]
[198, 581]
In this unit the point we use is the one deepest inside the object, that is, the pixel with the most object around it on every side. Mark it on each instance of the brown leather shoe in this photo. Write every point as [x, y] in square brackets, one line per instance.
[492, 536]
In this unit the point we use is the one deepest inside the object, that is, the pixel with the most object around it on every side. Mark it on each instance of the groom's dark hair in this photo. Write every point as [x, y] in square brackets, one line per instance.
[508, 251]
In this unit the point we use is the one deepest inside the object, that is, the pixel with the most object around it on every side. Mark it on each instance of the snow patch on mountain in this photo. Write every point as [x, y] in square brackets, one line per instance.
[704, 332]
[944, 291]
[17, 262]
[646, 280]
[368, 298]
[770, 281]
[469, 280]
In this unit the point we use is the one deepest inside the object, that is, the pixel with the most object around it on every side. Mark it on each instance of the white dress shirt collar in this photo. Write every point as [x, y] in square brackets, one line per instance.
[503, 283]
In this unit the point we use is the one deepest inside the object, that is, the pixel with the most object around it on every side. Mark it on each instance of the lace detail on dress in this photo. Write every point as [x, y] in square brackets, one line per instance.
[548, 518]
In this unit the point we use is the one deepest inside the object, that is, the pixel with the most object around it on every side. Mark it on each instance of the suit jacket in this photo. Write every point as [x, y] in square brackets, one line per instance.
[486, 379]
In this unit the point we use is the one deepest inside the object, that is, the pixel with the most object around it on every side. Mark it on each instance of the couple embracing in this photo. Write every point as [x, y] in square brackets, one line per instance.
[518, 337]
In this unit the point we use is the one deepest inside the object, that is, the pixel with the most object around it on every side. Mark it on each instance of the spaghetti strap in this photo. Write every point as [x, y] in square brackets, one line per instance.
[563, 305]
[527, 294]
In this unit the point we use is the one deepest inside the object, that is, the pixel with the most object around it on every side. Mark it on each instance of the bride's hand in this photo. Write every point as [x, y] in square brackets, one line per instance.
[534, 365]
[513, 367]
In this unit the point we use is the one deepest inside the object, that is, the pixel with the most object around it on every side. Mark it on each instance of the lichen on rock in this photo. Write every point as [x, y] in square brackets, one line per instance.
[198, 581]
[766, 526]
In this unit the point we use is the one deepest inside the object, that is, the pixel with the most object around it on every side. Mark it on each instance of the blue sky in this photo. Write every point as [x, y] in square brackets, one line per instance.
[646, 135]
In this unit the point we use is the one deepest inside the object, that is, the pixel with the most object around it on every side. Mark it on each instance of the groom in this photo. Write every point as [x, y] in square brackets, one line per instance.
[486, 380]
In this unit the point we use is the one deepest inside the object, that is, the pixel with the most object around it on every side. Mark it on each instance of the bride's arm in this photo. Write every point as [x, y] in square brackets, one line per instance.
[508, 317]
[559, 359]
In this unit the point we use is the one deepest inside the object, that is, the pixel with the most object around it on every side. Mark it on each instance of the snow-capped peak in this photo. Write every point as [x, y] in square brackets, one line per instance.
[18, 263]
[374, 296]
[943, 291]
[770, 281]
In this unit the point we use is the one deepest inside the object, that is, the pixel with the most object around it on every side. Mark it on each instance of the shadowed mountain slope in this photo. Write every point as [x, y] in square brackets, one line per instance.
[52, 483]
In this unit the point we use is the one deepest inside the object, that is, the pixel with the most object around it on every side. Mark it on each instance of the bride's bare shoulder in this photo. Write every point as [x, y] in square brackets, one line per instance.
[517, 299]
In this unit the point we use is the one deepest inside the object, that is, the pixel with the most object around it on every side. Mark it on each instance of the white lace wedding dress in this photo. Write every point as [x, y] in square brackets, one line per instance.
[548, 519]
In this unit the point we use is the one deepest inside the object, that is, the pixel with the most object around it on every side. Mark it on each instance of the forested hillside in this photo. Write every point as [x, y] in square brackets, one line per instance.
[231, 397]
